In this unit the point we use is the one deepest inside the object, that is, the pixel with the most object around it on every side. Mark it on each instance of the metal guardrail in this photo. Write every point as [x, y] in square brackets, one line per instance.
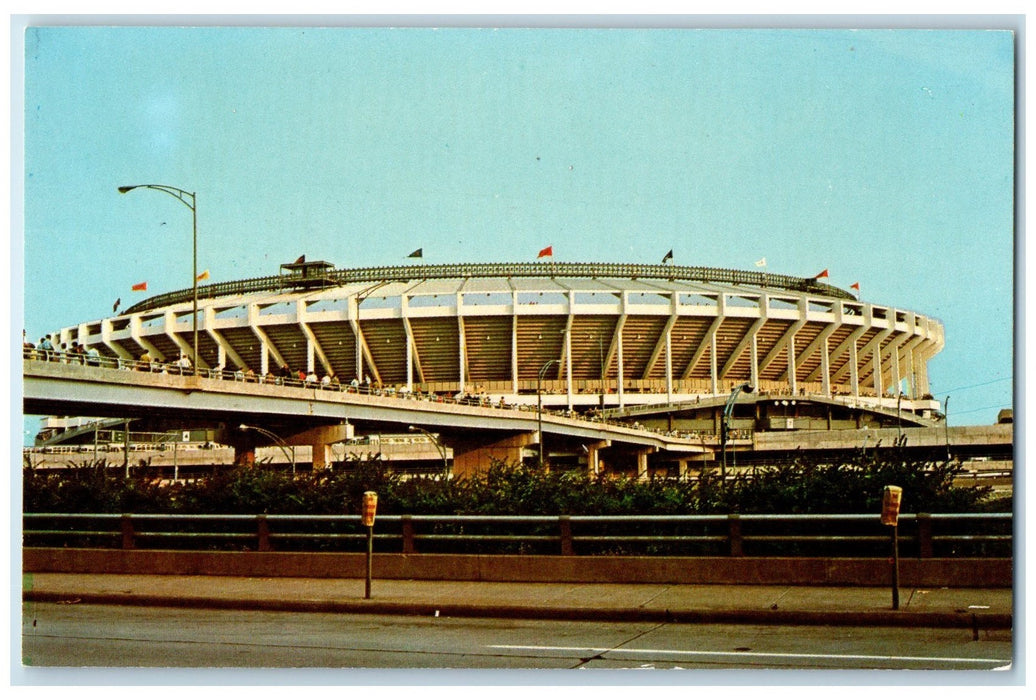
[311, 382]
[725, 534]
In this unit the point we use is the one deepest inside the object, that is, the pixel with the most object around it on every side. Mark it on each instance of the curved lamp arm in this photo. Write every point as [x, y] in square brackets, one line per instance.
[273, 436]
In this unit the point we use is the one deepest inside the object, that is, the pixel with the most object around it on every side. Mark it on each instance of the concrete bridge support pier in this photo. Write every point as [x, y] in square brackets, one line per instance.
[594, 465]
[642, 463]
[473, 452]
[320, 440]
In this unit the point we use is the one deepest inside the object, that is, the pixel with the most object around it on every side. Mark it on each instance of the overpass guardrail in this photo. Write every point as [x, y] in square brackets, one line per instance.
[920, 535]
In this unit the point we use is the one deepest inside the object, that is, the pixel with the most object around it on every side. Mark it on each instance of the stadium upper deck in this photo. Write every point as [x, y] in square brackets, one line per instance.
[635, 333]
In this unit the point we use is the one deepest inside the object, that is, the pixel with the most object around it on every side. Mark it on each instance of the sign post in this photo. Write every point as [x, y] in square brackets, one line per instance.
[890, 501]
[370, 507]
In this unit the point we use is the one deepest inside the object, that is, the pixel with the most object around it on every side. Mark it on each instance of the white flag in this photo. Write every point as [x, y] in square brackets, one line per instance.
[761, 262]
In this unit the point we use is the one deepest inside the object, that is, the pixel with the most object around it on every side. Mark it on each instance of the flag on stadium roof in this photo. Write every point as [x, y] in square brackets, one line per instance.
[203, 276]
[668, 256]
[140, 287]
[822, 274]
[419, 253]
[547, 252]
[761, 262]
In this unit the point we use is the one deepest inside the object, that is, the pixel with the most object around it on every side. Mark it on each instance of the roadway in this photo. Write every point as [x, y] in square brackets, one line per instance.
[78, 635]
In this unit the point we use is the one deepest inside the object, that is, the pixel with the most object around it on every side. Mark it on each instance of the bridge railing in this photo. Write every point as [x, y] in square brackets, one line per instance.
[920, 535]
[311, 381]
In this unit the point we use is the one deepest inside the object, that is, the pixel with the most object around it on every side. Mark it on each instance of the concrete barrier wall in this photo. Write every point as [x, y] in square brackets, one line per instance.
[979, 573]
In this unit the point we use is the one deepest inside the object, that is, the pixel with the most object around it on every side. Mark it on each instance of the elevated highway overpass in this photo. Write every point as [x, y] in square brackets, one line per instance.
[322, 416]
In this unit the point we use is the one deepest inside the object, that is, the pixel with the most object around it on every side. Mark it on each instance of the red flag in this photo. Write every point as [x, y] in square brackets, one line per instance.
[547, 252]
[141, 287]
[855, 285]
[822, 274]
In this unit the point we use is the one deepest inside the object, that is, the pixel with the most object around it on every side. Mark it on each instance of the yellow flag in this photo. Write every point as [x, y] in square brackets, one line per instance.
[203, 276]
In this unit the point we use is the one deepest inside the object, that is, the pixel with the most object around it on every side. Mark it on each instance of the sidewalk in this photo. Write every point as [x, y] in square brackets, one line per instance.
[986, 608]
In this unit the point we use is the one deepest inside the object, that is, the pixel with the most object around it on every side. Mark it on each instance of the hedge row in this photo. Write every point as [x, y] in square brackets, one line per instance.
[801, 485]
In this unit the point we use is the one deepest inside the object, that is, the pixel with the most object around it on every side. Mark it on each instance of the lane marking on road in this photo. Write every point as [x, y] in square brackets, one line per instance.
[752, 654]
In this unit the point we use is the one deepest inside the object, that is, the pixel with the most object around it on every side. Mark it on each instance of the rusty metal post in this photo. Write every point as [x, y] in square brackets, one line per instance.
[736, 541]
[407, 523]
[127, 532]
[263, 532]
[565, 525]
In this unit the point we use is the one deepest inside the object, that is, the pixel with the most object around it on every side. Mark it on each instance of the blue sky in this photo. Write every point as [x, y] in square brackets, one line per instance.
[885, 156]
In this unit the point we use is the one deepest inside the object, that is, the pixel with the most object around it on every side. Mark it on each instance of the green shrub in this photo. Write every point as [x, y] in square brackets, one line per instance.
[800, 485]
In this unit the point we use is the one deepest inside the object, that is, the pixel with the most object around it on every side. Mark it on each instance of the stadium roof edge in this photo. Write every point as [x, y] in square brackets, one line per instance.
[337, 277]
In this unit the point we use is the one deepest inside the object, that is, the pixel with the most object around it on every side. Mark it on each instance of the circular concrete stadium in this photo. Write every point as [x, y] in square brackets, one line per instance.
[633, 340]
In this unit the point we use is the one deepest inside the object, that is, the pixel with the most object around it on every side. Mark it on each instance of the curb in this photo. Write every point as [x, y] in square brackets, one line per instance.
[890, 618]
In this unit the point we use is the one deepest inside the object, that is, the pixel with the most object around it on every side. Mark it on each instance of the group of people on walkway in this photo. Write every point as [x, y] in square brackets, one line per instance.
[45, 350]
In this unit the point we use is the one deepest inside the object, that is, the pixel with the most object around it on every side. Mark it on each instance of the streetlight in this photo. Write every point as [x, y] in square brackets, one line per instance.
[438, 445]
[188, 200]
[276, 438]
[725, 427]
[539, 405]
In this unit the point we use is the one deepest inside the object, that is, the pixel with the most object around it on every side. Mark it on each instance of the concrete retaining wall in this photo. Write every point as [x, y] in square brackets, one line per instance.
[979, 573]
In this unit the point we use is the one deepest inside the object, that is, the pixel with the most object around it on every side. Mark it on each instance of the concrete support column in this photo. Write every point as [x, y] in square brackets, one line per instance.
[621, 381]
[474, 452]
[462, 363]
[854, 372]
[792, 376]
[642, 464]
[683, 467]
[244, 447]
[359, 351]
[878, 388]
[594, 465]
[568, 361]
[825, 367]
[669, 367]
[264, 358]
[244, 457]
[106, 338]
[322, 458]
[754, 369]
[896, 370]
[409, 364]
[514, 347]
[713, 371]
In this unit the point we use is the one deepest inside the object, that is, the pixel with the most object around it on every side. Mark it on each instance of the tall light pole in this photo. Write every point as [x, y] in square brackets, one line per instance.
[188, 200]
[539, 405]
[438, 445]
[276, 438]
[725, 427]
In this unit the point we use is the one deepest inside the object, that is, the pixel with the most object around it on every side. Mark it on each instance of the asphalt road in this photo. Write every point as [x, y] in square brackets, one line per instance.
[56, 635]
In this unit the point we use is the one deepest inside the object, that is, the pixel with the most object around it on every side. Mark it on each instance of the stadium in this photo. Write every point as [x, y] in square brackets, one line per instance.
[662, 345]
